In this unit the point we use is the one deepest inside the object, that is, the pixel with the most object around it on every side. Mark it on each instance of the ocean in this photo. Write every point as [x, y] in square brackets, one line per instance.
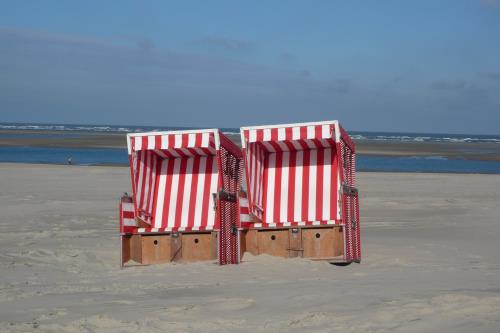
[118, 156]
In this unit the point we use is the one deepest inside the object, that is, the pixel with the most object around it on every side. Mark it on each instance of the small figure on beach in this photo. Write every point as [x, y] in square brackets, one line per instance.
[70, 160]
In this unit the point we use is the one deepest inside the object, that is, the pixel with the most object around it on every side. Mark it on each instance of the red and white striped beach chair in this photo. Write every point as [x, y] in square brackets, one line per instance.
[185, 202]
[302, 199]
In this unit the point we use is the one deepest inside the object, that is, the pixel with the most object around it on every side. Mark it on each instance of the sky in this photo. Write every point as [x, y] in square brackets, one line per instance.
[400, 66]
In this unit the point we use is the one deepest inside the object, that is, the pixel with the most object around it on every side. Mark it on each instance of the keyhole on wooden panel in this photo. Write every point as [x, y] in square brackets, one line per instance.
[196, 240]
[318, 235]
[273, 237]
[155, 242]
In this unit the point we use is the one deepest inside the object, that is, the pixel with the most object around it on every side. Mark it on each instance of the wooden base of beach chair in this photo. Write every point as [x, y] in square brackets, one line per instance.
[150, 249]
[307, 242]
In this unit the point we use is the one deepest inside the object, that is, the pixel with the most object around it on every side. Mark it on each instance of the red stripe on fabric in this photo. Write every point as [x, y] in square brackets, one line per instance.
[127, 214]
[180, 191]
[319, 183]
[275, 145]
[318, 131]
[317, 143]
[158, 162]
[144, 145]
[185, 141]
[264, 187]
[180, 153]
[290, 146]
[132, 177]
[211, 140]
[206, 190]
[305, 185]
[169, 154]
[157, 142]
[143, 179]
[129, 230]
[250, 171]
[168, 191]
[303, 132]
[193, 151]
[303, 144]
[289, 133]
[136, 173]
[260, 135]
[277, 188]
[198, 139]
[207, 151]
[146, 181]
[291, 185]
[151, 183]
[132, 144]
[334, 182]
[171, 141]
[274, 134]
[194, 191]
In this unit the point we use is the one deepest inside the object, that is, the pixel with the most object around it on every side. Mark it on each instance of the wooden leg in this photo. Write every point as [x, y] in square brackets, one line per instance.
[176, 247]
[295, 242]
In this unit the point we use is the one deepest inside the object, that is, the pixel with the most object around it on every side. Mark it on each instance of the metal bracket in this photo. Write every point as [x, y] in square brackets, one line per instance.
[348, 190]
[226, 196]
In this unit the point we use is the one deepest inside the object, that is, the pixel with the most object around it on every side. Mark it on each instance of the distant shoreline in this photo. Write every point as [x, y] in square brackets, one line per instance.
[82, 140]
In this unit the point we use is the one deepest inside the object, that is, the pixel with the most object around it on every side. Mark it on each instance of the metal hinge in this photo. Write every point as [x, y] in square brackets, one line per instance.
[348, 190]
[223, 195]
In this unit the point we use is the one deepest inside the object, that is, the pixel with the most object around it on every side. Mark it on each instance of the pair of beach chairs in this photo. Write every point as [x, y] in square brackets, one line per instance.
[288, 191]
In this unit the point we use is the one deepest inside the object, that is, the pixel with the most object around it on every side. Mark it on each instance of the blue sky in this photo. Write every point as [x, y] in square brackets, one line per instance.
[423, 66]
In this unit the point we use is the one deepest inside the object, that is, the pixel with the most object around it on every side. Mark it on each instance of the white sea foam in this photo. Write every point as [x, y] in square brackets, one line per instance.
[358, 136]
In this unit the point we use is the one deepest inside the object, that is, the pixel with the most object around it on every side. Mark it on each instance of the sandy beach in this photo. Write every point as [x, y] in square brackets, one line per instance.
[430, 262]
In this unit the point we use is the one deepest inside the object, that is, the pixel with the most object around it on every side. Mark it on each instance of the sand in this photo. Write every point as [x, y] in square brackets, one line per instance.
[430, 263]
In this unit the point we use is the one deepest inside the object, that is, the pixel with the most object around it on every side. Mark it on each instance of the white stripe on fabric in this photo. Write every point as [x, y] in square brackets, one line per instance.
[137, 143]
[311, 133]
[284, 186]
[140, 181]
[178, 141]
[281, 133]
[146, 181]
[192, 140]
[161, 194]
[313, 168]
[267, 134]
[252, 136]
[325, 131]
[213, 189]
[151, 142]
[271, 181]
[199, 192]
[164, 142]
[127, 207]
[129, 222]
[298, 187]
[187, 192]
[205, 140]
[327, 171]
[173, 194]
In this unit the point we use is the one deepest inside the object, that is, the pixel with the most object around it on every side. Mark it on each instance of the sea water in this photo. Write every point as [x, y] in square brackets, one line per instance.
[95, 156]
